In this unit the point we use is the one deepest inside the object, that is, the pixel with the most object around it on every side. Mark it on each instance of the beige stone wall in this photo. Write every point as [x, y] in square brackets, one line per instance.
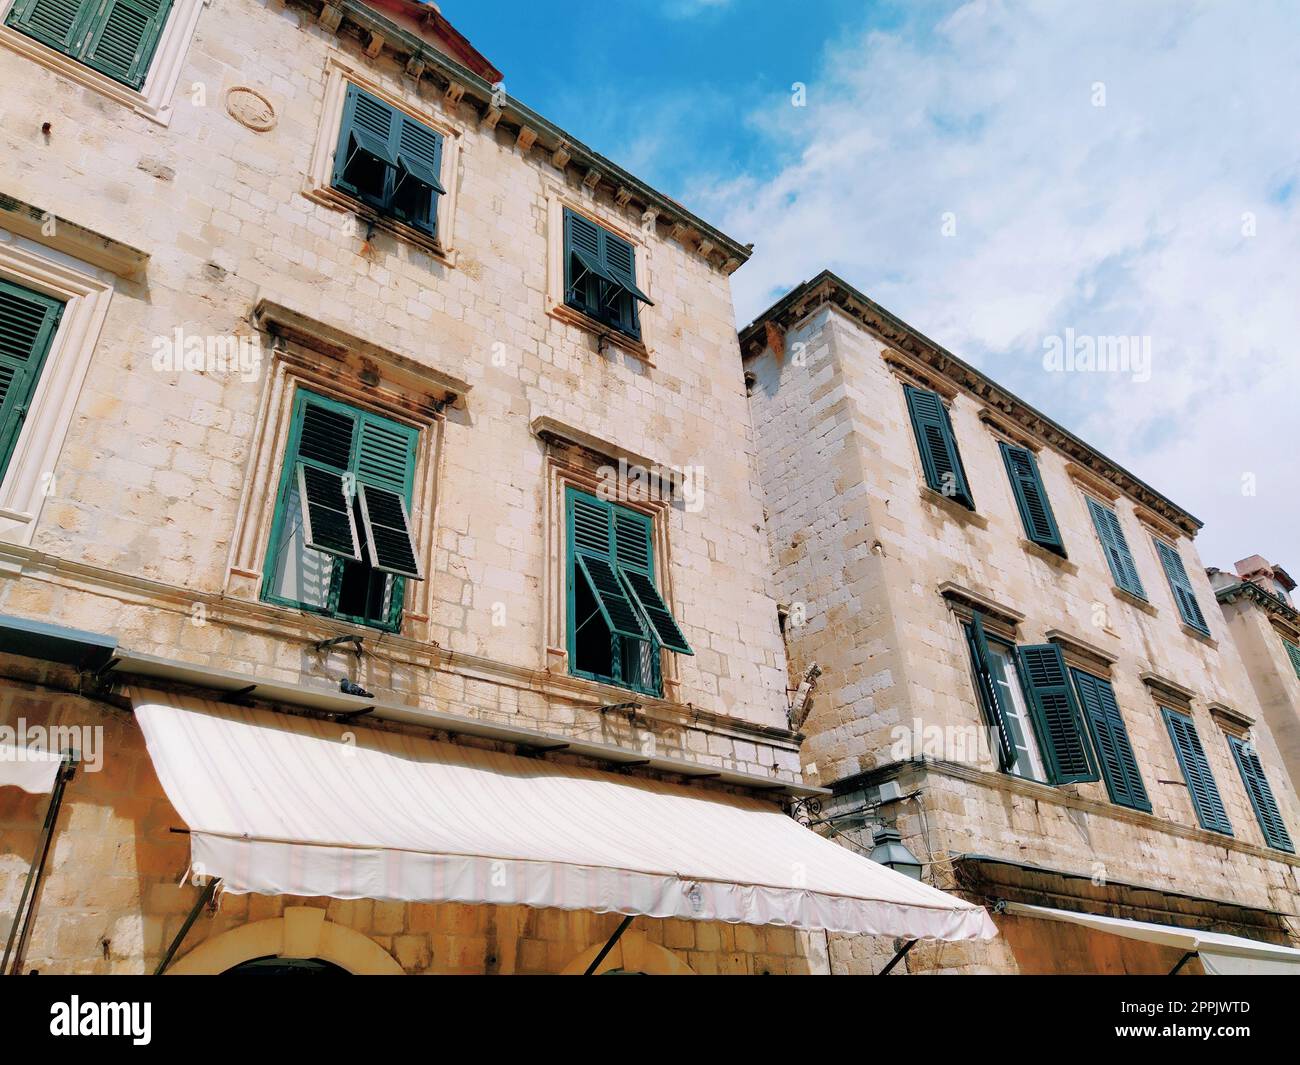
[152, 504]
[862, 549]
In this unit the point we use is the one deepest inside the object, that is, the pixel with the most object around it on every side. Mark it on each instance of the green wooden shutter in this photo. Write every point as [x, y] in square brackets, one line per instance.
[1115, 547]
[1181, 586]
[987, 689]
[321, 455]
[28, 321]
[1031, 497]
[385, 472]
[600, 274]
[1196, 771]
[369, 128]
[1056, 713]
[1261, 795]
[1110, 738]
[940, 458]
[418, 183]
[61, 24]
[125, 35]
[1293, 653]
[592, 558]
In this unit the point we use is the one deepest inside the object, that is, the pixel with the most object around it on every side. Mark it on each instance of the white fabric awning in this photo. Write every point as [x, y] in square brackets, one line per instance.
[29, 769]
[280, 804]
[1221, 955]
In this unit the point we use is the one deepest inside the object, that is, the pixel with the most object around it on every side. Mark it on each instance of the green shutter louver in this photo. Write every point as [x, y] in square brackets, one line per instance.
[1110, 738]
[1031, 497]
[28, 321]
[940, 458]
[655, 611]
[1114, 546]
[1293, 653]
[327, 520]
[1181, 587]
[1056, 713]
[600, 274]
[116, 37]
[987, 689]
[1204, 792]
[1261, 795]
[591, 547]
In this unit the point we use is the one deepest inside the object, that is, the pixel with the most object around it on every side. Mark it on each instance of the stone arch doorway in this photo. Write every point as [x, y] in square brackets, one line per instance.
[302, 935]
[633, 953]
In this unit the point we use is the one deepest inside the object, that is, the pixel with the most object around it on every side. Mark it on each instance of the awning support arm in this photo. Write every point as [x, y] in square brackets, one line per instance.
[1183, 961]
[618, 932]
[204, 898]
[902, 953]
[23, 915]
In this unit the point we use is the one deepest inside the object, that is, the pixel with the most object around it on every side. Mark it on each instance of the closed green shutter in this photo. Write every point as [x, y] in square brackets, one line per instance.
[994, 712]
[600, 274]
[1261, 795]
[28, 321]
[1293, 653]
[116, 37]
[937, 444]
[1056, 713]
[1196, 771]
[1114, 546]
[1031, 497]
[1188, 608]
[1110, 738]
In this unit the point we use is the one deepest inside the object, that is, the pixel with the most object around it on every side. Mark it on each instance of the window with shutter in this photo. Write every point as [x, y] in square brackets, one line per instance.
[1031, 497]
[1261, 795]
[1201, 787]
[115, 37]
[1056, 713]
[342, 542]
[389, 161]
[1001, 698]
[1110, 739]
[600, 275]
[1115, 547]
[28, 321]
[1293, 653]
[617, 620]
[1181, 587]
[940, 458]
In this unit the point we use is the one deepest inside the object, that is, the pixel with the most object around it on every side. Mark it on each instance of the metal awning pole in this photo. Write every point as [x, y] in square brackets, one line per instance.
[618, 932]
[902, 953]
[1183, 961]
[27, 903]
[203, 900]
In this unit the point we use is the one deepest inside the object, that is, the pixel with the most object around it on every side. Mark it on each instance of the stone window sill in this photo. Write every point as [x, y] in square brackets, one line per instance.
[1051, 557]
[1204, 637]
[566, 314]
[958, 510]
[1135, 601]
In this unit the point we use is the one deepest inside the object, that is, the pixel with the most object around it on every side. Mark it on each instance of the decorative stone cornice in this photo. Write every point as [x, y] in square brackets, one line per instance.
[828, 289]
[1269, 602]
[63, 234]
[496, 109]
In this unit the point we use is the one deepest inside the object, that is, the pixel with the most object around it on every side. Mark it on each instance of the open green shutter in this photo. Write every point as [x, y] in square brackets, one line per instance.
[28, 321]
[1293, 653]
[59, 23]
[369, 128]
[322, 459]
[124, 37]
[1110, 738]
[1261, 795]
[1056, 712]
[1204, 792]
[1115, 547]
[1031, 497]
[1181, 587]
[655, 611]
[592, 558]
[938, 446]
[385, 471]
[994, 711]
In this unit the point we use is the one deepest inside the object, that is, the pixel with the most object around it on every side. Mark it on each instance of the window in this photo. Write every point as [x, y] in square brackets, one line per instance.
[27, 323]
[1196, 771]
[1111, 742]
[1261, 795]
[389, 161]
[1188, 608]
[115, 37]
[617, 621]
[1031, 497]
[1115, 547]
[341, 540]
[938, 446]
[1003, 703]
[1293, 653]
[600, 275]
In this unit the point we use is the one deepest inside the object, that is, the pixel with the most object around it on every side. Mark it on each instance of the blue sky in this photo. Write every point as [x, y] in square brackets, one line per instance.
[997, 173]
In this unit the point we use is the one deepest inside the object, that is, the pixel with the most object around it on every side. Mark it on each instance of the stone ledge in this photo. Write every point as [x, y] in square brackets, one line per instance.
[958, 510]
[1135, 601]
[107, 253]
[1049, 556]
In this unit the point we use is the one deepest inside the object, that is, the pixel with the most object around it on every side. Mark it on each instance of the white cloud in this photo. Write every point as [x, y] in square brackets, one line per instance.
[1125, 219]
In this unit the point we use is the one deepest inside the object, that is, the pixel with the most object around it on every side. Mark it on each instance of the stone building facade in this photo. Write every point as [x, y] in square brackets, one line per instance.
[223, 250]
[909, 497]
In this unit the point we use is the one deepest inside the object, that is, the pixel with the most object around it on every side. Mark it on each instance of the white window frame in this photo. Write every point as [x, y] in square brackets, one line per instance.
[1018, 710]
